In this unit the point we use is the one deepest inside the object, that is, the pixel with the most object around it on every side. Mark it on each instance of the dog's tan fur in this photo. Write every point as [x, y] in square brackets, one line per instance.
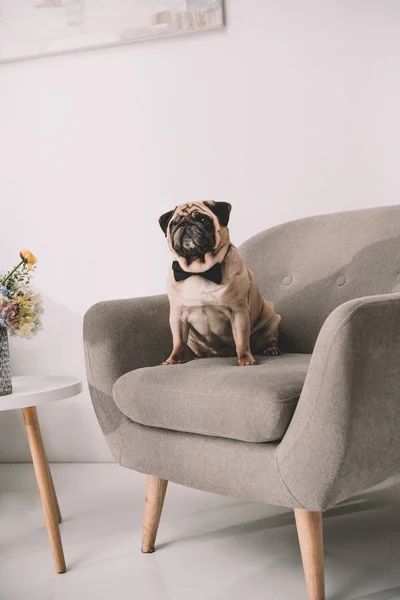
[218, 320]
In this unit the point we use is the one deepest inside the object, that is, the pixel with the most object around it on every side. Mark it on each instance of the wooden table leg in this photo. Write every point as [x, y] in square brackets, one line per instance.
[45, 485]
[55, 500]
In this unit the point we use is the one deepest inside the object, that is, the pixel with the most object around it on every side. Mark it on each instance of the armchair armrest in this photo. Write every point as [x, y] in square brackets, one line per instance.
[345, 433]
[122, 335]
[119, 336]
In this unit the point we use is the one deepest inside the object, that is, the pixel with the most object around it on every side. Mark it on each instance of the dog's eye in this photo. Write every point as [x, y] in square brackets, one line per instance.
[202, 217]
[207, 221]
[174, 222]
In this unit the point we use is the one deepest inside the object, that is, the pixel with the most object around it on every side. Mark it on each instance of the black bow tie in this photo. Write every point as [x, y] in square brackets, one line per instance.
[214, 274]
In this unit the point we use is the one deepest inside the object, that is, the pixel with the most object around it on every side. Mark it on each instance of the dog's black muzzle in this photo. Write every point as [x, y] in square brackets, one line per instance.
[192, 239]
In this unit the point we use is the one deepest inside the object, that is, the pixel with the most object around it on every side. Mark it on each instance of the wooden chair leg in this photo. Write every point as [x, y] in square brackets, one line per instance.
[309, 531]
[43, 479]
[155, 494]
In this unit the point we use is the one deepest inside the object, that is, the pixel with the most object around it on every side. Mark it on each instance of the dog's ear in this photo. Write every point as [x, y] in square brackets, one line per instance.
[165, 219]
[222, 210]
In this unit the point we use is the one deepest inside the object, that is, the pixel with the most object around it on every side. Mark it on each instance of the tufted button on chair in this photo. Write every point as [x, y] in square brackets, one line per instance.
[305, 430]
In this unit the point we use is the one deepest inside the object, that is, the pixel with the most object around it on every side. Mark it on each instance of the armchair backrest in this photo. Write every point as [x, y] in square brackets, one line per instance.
[310, 266]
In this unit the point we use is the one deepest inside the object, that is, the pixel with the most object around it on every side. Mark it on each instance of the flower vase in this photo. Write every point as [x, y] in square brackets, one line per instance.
[5, 364]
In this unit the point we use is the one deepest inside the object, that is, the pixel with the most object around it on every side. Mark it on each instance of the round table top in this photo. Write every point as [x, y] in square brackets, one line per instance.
[32, 390]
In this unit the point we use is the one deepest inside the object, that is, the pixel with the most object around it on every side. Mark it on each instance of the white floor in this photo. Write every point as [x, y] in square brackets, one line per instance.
[209, 547]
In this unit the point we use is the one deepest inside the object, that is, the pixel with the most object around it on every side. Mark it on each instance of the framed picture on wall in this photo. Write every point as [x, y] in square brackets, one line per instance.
[32, 28]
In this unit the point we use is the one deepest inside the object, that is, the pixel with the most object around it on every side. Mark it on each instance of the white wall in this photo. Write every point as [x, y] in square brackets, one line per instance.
[291, 110]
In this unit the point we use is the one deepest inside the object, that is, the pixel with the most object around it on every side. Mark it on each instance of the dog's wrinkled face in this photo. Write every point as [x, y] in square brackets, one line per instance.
[193, 229]
[192, 233]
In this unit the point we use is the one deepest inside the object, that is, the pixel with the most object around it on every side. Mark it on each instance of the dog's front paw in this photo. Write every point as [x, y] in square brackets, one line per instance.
[172, 360]
[246, 360]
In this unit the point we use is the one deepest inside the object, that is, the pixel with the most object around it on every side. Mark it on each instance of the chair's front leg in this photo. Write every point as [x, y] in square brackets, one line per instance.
[154, 501]
[309, 531]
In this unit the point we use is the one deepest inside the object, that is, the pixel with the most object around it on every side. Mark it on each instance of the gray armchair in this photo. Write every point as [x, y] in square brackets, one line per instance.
[305, 430]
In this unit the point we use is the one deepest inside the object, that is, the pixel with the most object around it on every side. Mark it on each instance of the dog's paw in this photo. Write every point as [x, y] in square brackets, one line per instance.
[173, 361]
[246, 361]
[272, 350]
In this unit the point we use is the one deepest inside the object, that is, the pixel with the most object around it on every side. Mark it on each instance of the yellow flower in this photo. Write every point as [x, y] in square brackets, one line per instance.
[28, 258]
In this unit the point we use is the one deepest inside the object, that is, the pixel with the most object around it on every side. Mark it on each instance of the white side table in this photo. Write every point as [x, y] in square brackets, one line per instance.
[29, 392]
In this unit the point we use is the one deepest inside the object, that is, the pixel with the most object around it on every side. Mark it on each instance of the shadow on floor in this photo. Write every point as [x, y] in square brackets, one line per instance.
[373, 500]
[389, 594]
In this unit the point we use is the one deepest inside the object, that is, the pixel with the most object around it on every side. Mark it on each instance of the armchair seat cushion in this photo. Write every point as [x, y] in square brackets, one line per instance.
[215, 397]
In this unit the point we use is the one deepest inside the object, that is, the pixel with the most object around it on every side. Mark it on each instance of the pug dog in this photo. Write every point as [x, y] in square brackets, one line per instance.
[216, 308]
